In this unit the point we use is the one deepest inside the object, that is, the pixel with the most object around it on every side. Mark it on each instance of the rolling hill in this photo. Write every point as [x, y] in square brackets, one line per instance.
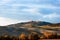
[30, 24]
[43, 29]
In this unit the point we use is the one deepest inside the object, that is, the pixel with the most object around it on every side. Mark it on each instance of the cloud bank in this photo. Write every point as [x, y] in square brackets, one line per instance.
[46, 10]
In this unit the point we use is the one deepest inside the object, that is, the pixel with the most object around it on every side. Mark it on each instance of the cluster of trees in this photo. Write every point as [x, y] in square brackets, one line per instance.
[54, 36]
[51, 36]
[32, 36]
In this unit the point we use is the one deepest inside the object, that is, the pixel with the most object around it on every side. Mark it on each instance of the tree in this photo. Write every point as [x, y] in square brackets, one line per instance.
[23, 37]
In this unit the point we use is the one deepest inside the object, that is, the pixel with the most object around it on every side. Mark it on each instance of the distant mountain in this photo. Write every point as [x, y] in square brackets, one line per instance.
[30, 24]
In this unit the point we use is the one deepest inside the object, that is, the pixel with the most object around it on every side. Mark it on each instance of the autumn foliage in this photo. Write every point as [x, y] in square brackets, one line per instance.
[31, 36]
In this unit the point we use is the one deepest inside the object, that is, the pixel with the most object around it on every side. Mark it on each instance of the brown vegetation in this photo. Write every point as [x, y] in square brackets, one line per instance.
[23, 37]
[54, 25]
[31, 36]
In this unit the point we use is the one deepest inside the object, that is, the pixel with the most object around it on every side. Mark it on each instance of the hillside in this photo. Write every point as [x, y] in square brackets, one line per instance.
[56, 25]
[44, 30]
[30, 24]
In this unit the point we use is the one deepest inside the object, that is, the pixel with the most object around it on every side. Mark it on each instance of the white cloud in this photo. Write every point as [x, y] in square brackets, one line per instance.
[35, 5]
[31, 10]
[2, 2]
[6, 21]
[51, 16]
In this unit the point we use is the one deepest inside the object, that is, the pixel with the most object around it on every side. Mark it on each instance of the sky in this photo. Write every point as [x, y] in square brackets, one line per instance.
[15, 11]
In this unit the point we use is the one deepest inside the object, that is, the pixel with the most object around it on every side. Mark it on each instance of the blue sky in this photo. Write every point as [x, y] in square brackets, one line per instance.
[14, 11]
